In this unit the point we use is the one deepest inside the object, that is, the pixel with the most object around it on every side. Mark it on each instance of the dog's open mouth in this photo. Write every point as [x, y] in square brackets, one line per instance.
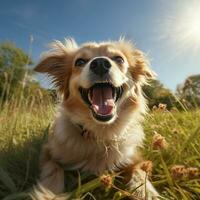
[102, 98]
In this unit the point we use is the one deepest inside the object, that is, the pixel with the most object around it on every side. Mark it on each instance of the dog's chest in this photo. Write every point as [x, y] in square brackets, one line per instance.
[87, 152]
[109, 156]
[98, 156]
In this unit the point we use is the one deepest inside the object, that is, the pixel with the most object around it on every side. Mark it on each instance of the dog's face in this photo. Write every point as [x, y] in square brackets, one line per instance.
[102, 78]
[96, 79]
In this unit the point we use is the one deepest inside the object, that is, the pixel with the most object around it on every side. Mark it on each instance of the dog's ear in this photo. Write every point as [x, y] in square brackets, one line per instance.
[57, 63]
[141, 70]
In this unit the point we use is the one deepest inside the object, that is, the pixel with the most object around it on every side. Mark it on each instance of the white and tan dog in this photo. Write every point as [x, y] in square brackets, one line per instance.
[98, 126]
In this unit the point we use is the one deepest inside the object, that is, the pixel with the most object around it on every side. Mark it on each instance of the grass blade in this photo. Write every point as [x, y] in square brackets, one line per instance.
[7, 181]
[16, 196]
[188, 141]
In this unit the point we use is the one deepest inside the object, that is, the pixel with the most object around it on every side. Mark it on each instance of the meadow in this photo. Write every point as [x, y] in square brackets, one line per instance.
[171, 149]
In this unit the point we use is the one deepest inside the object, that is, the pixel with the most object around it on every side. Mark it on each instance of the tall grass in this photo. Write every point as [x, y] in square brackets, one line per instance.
[24, 121]
[182, 132]
[24, 125]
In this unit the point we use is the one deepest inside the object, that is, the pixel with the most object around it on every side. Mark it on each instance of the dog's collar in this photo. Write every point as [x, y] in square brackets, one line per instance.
[83, 131]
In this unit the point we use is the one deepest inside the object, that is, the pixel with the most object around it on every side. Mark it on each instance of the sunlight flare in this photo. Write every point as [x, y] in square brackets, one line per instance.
[183, 28]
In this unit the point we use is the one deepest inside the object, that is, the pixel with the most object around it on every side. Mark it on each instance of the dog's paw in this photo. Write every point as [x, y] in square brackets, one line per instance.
[141, 188]
[41, 193]
[145, 192]
[150, 192]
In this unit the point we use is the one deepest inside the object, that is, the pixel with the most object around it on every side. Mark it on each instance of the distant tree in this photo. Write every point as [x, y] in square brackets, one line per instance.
[13, 67]
[189, 91]
[156, 93]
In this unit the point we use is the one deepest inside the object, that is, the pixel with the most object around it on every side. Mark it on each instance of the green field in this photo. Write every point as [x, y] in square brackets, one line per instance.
[24, 126]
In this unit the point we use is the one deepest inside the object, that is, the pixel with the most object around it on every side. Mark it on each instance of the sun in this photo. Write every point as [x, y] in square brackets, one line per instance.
[192, 26]
[182, 29]
[187, 28]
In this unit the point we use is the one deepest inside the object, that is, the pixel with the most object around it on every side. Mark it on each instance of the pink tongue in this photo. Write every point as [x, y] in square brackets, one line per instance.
[102, 100]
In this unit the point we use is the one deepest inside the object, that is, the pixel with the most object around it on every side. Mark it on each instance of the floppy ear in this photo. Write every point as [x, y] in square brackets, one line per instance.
[141, 70]
[57, 63]
[56, 68]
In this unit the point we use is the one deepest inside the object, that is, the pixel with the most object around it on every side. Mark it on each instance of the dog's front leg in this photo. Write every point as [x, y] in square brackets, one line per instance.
[138, 183]
[141, 186]
[52, 174]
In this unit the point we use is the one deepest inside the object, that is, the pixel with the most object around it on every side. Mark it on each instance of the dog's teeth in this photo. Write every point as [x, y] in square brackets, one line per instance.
[109, 102]
[115, 96]
[89, 96]
[95, 108]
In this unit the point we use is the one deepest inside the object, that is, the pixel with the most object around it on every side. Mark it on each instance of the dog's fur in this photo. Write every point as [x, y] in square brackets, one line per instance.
[81, 141]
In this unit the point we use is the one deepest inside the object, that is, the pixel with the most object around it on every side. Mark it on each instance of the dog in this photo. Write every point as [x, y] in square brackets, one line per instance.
[98, 124]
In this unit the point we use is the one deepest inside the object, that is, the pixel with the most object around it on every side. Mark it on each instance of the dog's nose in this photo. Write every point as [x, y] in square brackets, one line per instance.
[100, 66]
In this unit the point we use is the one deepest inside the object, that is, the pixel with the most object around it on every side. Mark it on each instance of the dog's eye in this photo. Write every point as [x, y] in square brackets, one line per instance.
[118, 59]
[80, 62]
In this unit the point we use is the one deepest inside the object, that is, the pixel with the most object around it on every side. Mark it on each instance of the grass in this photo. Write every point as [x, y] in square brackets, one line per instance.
[25, 125]
[182, 132]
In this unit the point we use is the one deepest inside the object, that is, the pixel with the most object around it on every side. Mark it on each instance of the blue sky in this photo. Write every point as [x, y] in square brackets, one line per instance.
[159, 28]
